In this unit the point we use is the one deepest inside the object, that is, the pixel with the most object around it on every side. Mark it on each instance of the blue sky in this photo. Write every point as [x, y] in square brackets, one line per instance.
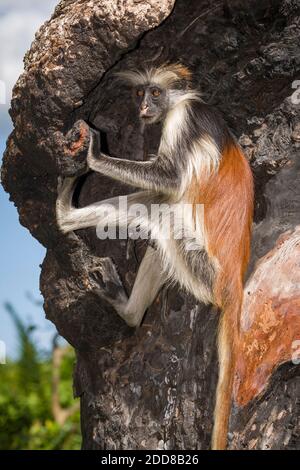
[20, 253]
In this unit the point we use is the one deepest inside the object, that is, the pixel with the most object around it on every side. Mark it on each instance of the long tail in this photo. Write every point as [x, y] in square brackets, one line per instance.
[228, 337]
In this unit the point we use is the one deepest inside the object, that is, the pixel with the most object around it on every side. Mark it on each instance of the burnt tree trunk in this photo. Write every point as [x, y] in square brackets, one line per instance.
[154, 388]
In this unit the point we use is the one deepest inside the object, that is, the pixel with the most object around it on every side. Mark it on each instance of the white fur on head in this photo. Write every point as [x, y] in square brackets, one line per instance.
[164, 76]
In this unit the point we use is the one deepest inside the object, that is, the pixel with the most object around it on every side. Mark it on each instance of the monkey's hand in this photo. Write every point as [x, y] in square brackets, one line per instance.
[94, 151]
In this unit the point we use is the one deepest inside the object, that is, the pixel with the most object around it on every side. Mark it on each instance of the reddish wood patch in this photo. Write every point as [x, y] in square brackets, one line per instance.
[270, 318]
[74, 146]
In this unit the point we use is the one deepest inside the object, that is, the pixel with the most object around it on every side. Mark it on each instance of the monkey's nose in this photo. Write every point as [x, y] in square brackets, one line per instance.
[144, 107]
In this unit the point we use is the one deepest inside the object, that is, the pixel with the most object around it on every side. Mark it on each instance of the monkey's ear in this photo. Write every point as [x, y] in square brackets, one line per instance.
[183, 84]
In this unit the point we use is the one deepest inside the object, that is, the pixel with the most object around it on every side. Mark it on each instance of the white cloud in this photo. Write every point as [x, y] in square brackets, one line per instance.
[18, 23]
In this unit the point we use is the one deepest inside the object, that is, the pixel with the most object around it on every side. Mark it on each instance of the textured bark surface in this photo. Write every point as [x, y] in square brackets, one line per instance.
[154, 388]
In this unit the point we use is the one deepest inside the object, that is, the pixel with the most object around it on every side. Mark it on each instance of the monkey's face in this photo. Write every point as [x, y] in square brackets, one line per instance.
[151, 101]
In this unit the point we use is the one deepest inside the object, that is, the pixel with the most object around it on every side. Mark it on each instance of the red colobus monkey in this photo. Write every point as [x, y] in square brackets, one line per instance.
[198, 163]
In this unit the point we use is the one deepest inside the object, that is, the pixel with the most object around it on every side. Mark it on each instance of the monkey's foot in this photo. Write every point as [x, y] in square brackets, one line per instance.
[108, 283]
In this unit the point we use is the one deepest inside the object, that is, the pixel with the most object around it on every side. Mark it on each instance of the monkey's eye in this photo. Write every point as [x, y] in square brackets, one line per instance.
[139, 92]
[156, 92]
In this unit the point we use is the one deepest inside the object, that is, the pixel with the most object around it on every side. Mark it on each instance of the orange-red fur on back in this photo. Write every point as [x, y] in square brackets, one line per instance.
[228, 206]
[227, 196]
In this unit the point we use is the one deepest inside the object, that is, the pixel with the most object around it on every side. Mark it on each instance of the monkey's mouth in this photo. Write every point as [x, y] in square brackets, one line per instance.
[147, 116]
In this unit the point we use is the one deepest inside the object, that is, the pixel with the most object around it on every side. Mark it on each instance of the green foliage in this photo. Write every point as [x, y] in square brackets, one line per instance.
[26, 419]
